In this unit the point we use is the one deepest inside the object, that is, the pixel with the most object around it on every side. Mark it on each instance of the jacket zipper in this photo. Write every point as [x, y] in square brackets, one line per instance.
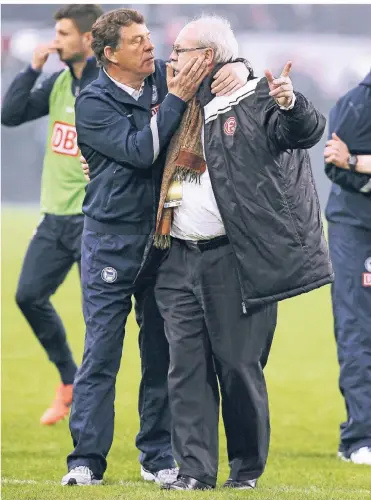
[243, 303]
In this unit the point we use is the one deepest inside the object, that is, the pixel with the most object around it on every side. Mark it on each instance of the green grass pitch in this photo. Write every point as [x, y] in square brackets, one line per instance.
[306, 407]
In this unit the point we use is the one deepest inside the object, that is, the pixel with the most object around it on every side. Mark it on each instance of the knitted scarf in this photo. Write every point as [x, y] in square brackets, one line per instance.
[184, 162]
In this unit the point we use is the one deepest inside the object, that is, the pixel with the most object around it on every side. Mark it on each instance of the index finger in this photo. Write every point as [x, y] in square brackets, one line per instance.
[286, 70]
[269, 76]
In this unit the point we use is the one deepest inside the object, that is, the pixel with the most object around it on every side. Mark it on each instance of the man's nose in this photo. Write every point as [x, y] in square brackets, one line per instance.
[150, 46]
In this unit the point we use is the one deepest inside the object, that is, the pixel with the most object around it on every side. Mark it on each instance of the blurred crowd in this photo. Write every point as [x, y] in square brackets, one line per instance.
[268, 35]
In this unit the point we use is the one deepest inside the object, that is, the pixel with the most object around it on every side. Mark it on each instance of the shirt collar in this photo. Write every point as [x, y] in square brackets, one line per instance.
[132, 92]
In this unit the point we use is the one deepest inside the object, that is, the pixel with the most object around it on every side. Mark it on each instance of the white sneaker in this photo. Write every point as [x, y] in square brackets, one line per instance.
[164, 476]
[361, 456]
[80, 476]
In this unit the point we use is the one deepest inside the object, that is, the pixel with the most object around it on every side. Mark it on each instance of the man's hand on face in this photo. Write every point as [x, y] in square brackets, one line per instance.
[337, 152]
[281, 88]
[85, 168]
[186, 83]
[229, 78]
[41, 54]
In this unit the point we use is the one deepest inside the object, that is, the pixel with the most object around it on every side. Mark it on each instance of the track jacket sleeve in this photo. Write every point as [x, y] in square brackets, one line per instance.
[351, 120]
[105, 129]
[300, 128]
[22, 103]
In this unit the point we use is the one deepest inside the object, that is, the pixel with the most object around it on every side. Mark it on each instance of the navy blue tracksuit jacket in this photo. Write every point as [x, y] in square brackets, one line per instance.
[348, 212]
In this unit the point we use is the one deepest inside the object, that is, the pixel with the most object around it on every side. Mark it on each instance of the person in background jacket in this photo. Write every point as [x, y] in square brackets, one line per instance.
[348, 211]
[124, 122]
[56, 243]
[240, 213]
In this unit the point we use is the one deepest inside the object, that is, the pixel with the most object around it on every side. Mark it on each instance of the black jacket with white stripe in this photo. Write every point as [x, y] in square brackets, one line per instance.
[124, 142]
[263, 184]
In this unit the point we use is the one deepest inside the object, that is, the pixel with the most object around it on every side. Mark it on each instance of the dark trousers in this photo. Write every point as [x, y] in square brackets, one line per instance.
[54, 248]
[350, 247]
[110, 264]
[199, 297]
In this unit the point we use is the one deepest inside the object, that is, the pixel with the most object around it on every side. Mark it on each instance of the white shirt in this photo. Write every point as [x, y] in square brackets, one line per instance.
[135, 94]
[198, 217]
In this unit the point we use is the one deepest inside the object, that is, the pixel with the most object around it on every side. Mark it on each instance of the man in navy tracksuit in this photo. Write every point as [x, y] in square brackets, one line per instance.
[349, 215]
[124, 146]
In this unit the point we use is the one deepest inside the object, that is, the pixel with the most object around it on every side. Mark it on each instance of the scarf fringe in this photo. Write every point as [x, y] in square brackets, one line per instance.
[185, 174]
[162, 241]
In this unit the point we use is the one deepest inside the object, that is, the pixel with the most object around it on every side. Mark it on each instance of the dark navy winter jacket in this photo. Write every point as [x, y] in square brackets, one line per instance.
[350, 197]
[124, 142]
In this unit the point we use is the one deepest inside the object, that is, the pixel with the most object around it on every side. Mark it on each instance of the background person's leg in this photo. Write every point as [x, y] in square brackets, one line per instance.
[72, 238]
[45, 266]
[349, 249]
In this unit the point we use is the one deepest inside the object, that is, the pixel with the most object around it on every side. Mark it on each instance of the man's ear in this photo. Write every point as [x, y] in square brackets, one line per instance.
[109, 54]
[87, 39]
[209, 56]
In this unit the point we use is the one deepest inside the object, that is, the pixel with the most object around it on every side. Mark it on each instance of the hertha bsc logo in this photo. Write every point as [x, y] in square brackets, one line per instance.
[230, 126]
[64, 139]
[368, 264]
[109, 274]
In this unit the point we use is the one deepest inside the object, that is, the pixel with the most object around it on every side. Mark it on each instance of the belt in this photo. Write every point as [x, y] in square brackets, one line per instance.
[203, 245]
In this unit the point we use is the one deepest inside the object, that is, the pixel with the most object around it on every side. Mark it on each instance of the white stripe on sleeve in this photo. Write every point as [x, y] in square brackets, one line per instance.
[155, 139]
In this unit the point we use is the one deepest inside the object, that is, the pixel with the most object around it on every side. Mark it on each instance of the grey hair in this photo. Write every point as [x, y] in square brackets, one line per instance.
[216, 32]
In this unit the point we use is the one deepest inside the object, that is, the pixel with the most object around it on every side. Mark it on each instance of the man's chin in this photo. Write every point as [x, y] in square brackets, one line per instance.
[149, 68]
[72, 59]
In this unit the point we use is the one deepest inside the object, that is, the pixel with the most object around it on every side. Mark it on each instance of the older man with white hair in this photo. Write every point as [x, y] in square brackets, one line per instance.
[240, 213]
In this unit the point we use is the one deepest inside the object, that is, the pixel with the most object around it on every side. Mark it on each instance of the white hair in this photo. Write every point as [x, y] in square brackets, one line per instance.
[216, 32]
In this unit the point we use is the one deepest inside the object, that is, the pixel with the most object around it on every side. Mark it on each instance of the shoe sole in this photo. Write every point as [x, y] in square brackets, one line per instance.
[93, 483]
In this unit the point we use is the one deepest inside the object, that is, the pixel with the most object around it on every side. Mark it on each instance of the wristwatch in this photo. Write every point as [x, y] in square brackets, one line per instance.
[352, 163]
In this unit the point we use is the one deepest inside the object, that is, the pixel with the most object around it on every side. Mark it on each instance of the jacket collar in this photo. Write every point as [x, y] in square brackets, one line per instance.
[204, 94]
[109, 87]
[367, 80]
[90, 68]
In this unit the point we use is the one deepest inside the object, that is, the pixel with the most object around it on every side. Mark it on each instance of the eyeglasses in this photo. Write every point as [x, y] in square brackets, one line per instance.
[179, 51]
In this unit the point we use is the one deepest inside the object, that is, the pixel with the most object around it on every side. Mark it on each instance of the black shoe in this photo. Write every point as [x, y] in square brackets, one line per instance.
[186, 483]
[247, 484]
